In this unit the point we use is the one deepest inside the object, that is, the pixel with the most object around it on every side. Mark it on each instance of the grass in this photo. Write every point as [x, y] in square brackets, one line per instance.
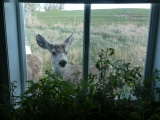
[125, 30]
[110, 16]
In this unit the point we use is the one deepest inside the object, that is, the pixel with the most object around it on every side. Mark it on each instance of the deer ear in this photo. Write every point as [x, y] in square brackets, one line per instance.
[42, 42]
[68, 41]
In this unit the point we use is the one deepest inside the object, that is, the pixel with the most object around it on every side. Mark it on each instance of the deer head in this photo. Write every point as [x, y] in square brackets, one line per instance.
[58, 51]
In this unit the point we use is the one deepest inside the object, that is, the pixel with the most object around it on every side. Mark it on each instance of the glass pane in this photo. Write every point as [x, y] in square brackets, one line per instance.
[55, 23]
[123, 27]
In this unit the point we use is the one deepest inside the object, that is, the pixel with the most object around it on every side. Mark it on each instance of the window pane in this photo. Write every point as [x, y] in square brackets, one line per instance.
[123, 28]
[55, 23]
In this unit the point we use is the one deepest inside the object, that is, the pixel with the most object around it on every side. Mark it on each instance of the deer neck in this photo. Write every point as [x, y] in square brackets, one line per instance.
[57, 70]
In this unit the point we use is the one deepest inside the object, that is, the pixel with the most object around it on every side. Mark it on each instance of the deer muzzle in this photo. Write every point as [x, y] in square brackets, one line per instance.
[62, 63]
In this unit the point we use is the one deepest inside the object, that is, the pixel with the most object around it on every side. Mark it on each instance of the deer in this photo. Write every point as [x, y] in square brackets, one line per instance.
[34, 65]
[59, 61]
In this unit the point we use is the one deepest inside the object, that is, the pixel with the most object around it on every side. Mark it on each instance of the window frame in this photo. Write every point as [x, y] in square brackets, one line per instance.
[4, 72]
[152, 37]
[21, 42]
[90, 1]
[152, 40]
[12, 63]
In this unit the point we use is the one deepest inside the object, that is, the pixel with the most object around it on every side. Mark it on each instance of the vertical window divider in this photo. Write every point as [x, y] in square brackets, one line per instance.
[152, 37]
[86, 41]
[151, 46]
[21, 45]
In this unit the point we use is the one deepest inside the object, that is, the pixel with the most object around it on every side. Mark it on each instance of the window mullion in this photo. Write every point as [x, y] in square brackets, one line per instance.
[151, 47]
[86, 40]
[21, 45]
[152, 38]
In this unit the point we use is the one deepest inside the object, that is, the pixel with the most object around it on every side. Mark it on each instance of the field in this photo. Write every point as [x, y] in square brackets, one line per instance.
[125, 30]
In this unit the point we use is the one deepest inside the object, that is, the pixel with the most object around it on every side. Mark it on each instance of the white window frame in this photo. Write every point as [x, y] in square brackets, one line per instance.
[17, 53]
[13, 47]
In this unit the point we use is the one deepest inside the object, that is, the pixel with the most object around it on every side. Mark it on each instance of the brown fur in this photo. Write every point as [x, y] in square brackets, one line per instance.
[71, 70]
[34, 67]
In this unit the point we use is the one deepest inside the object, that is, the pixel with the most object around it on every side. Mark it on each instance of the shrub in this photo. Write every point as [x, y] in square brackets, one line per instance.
[55, 98]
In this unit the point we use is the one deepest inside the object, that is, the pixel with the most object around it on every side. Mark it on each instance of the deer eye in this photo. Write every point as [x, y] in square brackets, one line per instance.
[53, 53]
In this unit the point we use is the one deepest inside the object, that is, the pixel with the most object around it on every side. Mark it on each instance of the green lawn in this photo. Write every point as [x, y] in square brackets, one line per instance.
[107, 16]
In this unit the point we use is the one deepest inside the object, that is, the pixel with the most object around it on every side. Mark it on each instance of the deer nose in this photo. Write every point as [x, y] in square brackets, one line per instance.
[62, 63]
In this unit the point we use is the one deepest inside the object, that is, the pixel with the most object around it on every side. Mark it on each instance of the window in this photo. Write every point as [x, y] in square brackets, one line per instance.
[122, 27]
[14, 35]
[55, 24]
